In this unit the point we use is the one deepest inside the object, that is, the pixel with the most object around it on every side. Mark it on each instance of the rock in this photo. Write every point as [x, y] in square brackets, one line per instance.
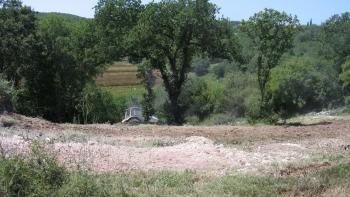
[47, 140]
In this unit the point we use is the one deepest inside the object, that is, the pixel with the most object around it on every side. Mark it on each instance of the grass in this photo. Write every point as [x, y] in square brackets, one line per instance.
[39, 174]
[127, 95]
[162, 143]
[125, 91]
[228, 142]
[7, 121]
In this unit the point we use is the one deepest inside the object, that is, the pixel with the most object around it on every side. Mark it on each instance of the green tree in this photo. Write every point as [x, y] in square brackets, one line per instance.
[114, 19]
[272, 33]
[171, 32]
[6, 93]
[17, 29]
[345, 76]
[60, 69]
[197, 98]
[97, 106]
[201, 66]
[145, 73]
[303, 84]
[337, 36]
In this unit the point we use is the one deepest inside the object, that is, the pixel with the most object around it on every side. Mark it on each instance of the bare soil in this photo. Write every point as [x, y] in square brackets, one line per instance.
[218, 150]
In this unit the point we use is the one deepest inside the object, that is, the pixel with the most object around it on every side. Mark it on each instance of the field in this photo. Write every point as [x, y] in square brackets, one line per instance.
[119, 74]
[121, 80]
[307, 160]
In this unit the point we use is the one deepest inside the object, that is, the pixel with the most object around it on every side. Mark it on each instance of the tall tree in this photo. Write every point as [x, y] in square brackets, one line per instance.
[17, 29]
[145, 73]
[114, 19]
[337, 41]
[171, 32]
[272, 33]
[60, 69]
[337, 36]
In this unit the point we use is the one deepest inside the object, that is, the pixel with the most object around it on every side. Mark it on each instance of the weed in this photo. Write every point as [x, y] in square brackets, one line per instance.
[8, 122]
[162, 143]
[228, 142]
[37, 175]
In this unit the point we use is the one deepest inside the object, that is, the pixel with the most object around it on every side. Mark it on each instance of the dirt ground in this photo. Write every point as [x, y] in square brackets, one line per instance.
[218, 150]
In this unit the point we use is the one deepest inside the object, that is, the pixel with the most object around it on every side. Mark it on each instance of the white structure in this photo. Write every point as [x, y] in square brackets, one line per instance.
[135, 115]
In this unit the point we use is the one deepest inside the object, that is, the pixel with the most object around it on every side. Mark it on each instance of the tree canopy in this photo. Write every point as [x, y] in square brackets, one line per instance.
[170, 33]
[272, 33]
[17, 36]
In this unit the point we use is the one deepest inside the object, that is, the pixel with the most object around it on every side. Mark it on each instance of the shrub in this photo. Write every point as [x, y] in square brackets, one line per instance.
[253, 104]
[201, 66]
[347, 103]
[199, 98]
[220, 119]
[7, 121]
[192, 120]
[37, 175]
[219, 70]
[299, 86]
[6, 93]
[345, 75]
[240, 97]
[161, 98]
[97, 106]
[81, 184]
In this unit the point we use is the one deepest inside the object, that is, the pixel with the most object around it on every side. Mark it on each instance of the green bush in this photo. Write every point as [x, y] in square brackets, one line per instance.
[201, 66]
[299, 86]
[98, 106]
[219, 70]
[37, 175]
[81, 184]
[240, 95]
[347, 103]
[253, 108]
[345, 75]
[220, 119]
[6, 94]
[200, 96]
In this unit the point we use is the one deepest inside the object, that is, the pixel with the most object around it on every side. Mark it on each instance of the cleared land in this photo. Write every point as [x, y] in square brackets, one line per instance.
[219, 152]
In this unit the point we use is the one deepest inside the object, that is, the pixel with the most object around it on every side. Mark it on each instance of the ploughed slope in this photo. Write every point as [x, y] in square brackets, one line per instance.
[119, 74]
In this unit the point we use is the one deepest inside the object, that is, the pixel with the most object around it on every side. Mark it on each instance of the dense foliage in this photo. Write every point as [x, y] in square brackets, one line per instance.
[211, 69]
[170, 33]
[272, 33]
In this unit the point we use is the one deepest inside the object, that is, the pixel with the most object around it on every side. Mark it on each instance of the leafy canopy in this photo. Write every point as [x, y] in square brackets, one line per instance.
[17, 29]
[170, 33]
[272, 34]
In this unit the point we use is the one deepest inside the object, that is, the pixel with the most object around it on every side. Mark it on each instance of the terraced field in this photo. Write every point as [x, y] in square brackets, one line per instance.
[119, 74]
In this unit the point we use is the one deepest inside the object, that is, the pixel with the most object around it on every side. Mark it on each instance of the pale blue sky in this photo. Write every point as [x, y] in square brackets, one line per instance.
[318, 10]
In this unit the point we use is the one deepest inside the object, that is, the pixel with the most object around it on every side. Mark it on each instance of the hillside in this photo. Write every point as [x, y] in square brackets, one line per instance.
[119, 74]
[67, 17]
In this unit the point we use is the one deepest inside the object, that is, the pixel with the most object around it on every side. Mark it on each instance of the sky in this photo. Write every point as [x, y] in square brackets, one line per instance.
[317, 10]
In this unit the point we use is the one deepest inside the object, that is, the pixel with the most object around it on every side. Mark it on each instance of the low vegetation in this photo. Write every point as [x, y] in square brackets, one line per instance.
[39, 174]
[236, 72]
[184, 64]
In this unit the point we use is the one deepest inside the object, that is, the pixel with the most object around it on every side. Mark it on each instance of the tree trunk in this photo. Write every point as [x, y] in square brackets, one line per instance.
[176, 111]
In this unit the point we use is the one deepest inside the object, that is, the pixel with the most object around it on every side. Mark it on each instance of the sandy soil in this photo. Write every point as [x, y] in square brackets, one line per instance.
[217, 150]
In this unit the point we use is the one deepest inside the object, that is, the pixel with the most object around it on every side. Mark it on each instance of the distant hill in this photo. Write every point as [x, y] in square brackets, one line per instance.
[67, 17]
